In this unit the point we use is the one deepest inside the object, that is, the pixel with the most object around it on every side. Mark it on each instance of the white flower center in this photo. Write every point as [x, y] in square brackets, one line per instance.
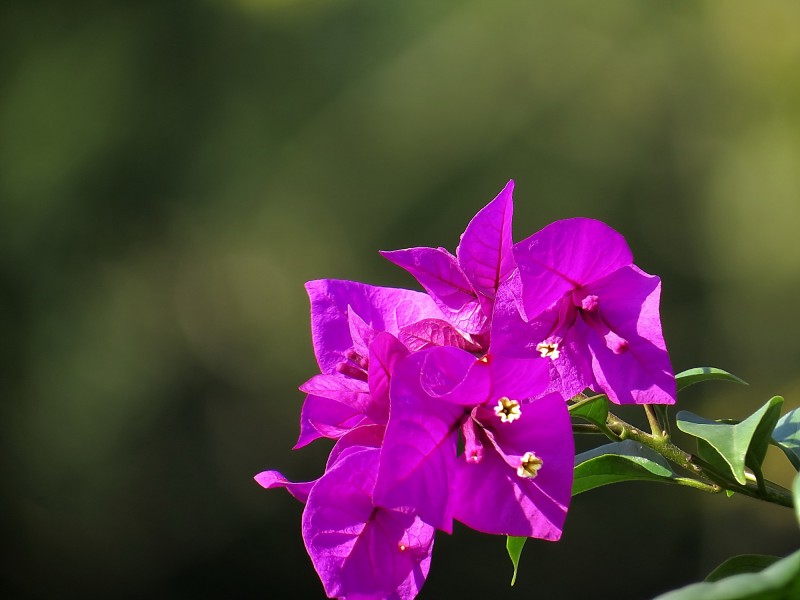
[508, 410]
[548, 350]
[529, 465]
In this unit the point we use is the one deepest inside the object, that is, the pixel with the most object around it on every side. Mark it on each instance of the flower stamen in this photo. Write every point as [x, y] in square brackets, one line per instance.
[529, 466]
[473, 448]
[548, 350]
[508, 410]
[350, 370]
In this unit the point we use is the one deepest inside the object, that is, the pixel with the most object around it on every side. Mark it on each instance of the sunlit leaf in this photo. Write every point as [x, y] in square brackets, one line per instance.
[740, 445]
[762, 437]
[514, 545]
[780, 581]
[796, 494]
[698, 374]
[744, 563]
[707, 452]
[617, 462]
[787, 436]
[594, 410]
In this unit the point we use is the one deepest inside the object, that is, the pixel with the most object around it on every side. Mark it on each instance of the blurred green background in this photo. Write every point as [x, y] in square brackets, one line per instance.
[171, 173]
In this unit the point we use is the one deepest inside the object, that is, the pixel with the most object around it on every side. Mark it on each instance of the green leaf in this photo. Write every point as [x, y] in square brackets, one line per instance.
[617, 462]
[514, 546]
[779, 581]
[757, 451]
[745, 563]
[698, 374]
[787, 436]
[594, 410]
[707, 452]
[732, 447]
[796, 494]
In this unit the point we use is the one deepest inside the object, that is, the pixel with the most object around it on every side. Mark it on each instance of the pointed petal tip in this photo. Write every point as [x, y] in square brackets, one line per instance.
[505, 194]
[301, 443]
[388, 253]
[270, 479]
[397, 256]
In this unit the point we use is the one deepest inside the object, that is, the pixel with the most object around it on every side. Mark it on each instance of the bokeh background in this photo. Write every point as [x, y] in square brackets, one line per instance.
[171, 173]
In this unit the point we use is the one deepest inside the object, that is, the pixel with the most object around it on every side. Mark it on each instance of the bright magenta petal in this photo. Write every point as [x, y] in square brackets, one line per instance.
[629, 304]
[457, 377]
[564, 256]
[323, 417]
[359, 550]
[517, 378]
[345, 390]
[385, 352]
[419, 449]
[438, 272]
[274, 479]
[512, 336]
[490, 495]
[571, 373]
[485, 252]
[449, 374]
[383, 309]
[360, 332]
[435, 332]
[370, 436]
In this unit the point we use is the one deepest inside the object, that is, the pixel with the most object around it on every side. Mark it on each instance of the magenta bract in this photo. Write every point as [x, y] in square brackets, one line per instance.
[361, 550]
[502, 427]
[583, 304]
[450, 405]
[464, 286]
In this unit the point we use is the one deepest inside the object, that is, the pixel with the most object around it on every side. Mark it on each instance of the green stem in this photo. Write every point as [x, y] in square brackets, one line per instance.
[766, 490]
[655, 426]
[711, 488]
[586, 428]
[708, 479]
[663, 446]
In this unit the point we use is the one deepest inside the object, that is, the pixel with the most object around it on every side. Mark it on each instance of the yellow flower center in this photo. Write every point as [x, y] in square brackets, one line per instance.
[529, 465]
[548, 350]
[508, 410]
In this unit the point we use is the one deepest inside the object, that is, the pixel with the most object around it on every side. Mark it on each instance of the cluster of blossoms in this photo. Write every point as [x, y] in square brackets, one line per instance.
[453, 404]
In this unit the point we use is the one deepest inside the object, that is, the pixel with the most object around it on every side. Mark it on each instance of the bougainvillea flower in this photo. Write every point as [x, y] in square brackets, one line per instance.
[337, 403]
[588, 309]
[369, 435]
[524, 455]
[514, 476]
[436, 332]
[334, 405]
[464, 285]
[275, 479]
[352, 326]
[358, 549]
[345, 315]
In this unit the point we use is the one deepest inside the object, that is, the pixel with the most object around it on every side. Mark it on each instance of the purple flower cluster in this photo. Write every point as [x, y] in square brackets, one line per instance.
[451, 404]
